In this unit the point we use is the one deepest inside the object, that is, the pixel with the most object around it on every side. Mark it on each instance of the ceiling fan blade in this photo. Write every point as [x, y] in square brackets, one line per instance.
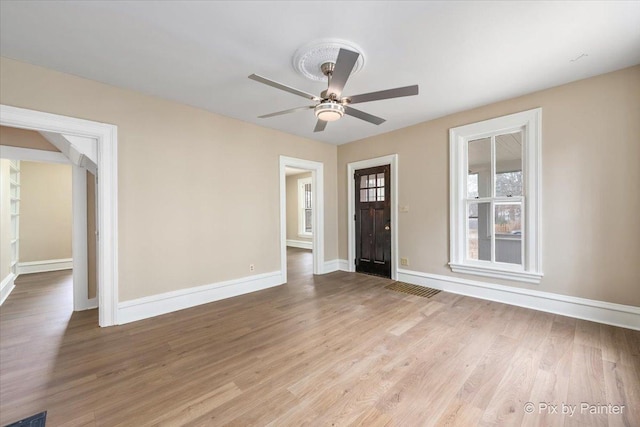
[344, 65]
[320, 125]
[283, 87]
[291, 110]
[384, 94]
[364, 116]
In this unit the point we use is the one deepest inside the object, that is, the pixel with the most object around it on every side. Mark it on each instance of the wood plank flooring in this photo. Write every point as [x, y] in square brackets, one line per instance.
[331, 350]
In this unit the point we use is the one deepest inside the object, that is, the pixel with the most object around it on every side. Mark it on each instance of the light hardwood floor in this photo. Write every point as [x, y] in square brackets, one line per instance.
[337, 349]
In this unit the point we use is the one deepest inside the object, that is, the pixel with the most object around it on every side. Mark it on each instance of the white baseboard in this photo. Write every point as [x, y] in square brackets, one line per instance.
[335, 265]
[302, 244]
[625, 316]
[44, 266]
[331, 266]
[155, 305]
[6, 286]
[87, 305]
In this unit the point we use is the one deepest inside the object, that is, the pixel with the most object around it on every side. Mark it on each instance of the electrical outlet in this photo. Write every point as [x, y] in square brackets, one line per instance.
[404, 261]
[252, 267]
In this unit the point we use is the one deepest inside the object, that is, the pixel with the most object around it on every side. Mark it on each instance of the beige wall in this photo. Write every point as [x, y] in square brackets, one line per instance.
[24, 138]
[591, 174]
[181, 223]
[5, 220]
[292, 207]
[45, 211]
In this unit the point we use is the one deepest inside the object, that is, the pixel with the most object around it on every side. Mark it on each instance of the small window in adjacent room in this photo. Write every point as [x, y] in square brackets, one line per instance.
[305, 207]
[495, 197]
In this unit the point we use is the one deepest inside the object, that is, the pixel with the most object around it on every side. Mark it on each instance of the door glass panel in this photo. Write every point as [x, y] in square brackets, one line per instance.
[508, 231]
[372, 194]
[381, 180]
[363, 182]
[381, 194]
[478, 236]
[479, 163]
[372, 181]
[363, 196]
[509, 165]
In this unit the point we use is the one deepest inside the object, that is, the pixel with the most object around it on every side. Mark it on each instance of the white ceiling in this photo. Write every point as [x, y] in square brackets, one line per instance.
[462, 54]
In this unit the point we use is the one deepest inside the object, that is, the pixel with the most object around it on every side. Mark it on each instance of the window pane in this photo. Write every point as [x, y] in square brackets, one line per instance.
[509, 184]
[508, 229]
[363, 182]
[307, 220]
[509, 165]
[363, 196]
[472, 185]
[479, 162]
[372, 194]
[307, 196]
[372, 181]
[478, 238]
[381, 194]
[381, 180]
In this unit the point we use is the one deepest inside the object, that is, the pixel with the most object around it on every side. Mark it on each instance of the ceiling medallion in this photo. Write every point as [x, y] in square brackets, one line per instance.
[308, 59]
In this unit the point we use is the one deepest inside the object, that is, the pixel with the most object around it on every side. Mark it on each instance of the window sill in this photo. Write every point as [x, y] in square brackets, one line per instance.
[519, 276]
[307, 235]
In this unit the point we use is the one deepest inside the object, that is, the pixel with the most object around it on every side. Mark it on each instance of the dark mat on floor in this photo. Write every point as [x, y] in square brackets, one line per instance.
[421, 291]
[37, 420]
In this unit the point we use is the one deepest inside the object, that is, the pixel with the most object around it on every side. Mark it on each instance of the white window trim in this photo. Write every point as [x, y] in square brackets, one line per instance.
[530, 122]
[301, 217]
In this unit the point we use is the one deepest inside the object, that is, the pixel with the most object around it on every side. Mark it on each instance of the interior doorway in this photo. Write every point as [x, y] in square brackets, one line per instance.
[308, 210]
[97, 142]
[300, 201]
[53, 215]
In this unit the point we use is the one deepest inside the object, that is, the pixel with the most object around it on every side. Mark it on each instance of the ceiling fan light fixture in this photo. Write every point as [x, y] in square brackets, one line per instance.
[329, 111]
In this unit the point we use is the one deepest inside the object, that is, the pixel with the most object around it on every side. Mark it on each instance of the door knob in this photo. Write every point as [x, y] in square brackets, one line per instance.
[387, 227]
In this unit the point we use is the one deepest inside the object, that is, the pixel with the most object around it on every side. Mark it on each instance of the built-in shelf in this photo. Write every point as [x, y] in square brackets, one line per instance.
[14, 197]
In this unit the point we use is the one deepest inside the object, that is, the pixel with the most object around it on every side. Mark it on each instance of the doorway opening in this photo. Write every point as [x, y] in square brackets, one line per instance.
[95, 142]
[52, 215]
[300, 197]
[301, 214]
[372, 223]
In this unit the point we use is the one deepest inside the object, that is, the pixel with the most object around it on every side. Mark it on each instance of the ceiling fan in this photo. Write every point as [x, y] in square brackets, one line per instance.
[331, 105]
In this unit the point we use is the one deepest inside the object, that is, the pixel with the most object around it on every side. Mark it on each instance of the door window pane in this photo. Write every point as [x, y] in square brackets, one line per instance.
[364, 195]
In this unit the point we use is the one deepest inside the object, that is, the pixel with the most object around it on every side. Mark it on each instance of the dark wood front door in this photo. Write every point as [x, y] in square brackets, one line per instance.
[373, 221]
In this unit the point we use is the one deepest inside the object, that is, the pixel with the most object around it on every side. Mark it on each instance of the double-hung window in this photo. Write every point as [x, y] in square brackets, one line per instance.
[495, 197]
[305, 208]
